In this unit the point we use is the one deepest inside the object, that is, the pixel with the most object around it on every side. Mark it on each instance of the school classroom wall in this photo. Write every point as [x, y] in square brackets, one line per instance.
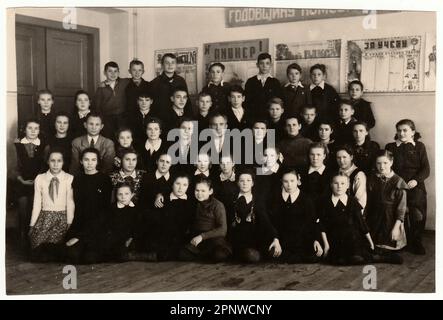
[138, 32]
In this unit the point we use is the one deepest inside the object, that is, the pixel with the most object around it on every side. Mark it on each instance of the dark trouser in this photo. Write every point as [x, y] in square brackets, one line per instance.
[416, 217]
[213, 250]
[48, 252]
[24, 202]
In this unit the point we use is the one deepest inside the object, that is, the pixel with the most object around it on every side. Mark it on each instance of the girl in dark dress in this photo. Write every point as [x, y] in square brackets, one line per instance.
[82, 109]
[268, 176]
[250, 231]
[326, 136]
[61, 140]
[225, 185]
[345, 235]
[365, 149]
[92, 197]
[154, 145]
[412, 164]
[30, 160]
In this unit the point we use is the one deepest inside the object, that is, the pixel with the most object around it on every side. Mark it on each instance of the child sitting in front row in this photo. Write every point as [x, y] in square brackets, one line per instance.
[343, 229]
[294, 217]
[208, 229]
[250, 231]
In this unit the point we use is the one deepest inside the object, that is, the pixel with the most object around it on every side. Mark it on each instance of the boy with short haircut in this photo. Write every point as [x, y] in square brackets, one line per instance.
[93, 139]
[294, 147]
[136, 85]
[310, 123]
[276, 118]
[204, 110]
[110, 99]
[179, 110]
[262, 87]
[208, 229]
[45, 116]
[165, 83]
[296, 95]
[138, 119]
[345, 124]
[217, 88]
[238, 116]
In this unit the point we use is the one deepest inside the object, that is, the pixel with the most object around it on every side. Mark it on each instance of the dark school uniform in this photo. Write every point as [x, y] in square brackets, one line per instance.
[149, 157]
[310, 131]
[295, 151]
[363, 112]
[152, 184]
[295, 97]
[162, 87]
[47, 124]
[326, 100]
[258, 95]
[92, 197]
[225, 189]
[234, 123]
[266, 182]
[279, 129]
[171, 119]
[365, 155]
[133, 90]
[76, 125]
[315, 182]
[137, 121]
[219, 95]
[296, 223]
[63, 144]
[343, 132]
[250, 230]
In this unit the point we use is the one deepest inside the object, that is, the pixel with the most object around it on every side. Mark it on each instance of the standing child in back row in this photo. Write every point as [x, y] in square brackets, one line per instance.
[324, 96]
[262, 87]
[363, 110]
[412, 164]
[296, 94]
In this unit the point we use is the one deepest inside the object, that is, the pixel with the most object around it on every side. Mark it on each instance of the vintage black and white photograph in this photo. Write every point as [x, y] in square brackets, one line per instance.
[197, 148]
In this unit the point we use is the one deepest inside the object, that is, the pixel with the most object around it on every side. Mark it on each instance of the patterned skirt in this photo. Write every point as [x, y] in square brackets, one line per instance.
[51, 227]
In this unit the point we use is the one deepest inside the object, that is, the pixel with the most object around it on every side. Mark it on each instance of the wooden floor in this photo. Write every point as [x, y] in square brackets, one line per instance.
[417, 274]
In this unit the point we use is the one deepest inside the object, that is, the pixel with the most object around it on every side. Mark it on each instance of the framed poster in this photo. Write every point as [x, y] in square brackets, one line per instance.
[186, 65]
[385, 64]
[306, 54]
[239, 58]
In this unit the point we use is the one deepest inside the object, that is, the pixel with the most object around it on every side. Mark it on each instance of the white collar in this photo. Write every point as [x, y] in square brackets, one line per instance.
[158, 175]
[398, 142]
[231, 178]
[343, 198]
[349, 171]
[264, 76]
[179, 112]
[144, 114]
[60, 176]
[299, 84]
[319, 170]
[121, 205]
[133, 174]
[90, 138]
[82, 115]
[25, 140]
[172, 196]
[273, 169]
[248, 197]
[387, 176]
[153, 147]
[346, 122]
[259, 141]
[321, 85]
[221, 83]
[197, 172]
[294, 195]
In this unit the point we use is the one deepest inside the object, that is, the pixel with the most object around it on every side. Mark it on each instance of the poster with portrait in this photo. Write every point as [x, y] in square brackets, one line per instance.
[186, 65]
[385, 64]
[430, 66]
[238, 57]
[306, 54]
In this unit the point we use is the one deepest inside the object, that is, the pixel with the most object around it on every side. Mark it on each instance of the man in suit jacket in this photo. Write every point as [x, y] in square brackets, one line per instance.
[93, 139]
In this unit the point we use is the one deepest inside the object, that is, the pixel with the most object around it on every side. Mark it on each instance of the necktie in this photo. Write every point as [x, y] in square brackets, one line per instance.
[288, 201]
[53, 188]
[92, 144]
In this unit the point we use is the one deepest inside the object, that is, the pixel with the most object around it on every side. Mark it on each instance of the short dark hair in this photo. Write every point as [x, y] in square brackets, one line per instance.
[237, 88]
[263, 56]
[45, 91]
[204, 94]
[216, 115]
[168, 55]
[361, 123]
[248, 171]
[289, 170]
[276, 100]
[384, 153]
[62, 114]
[154, 120]
[347, 102]
[217, 64]
[319, 66]
[293, 66]
[126, 151]
[178, 88]
[55, 150]
[355, 82]
[308, 106]
[319, 145]
[204, 180]
[111, 64]
[93, 114]
[261, 120]
[345, 147]
[410, 124]
[136, 62]
[79, 92]
[293, 116]
[124, 185]
[122, 129]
